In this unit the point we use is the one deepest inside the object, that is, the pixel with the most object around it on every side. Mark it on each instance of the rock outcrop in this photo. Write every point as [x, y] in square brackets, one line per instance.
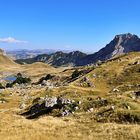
[47, 105]
[121, 44]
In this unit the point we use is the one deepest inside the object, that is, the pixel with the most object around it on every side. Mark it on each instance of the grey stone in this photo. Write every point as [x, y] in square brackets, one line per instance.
[76, 108]
[50, 102]
[115, 90]
[22, 106]
[65, 113]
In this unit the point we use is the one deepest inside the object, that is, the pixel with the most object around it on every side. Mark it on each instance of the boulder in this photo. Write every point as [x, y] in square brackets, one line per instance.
[2, 101]
[50, 101]
[116, 90]
[49, 104]
[22, 106]
[94, 76]
[90, 110]
[65, 113]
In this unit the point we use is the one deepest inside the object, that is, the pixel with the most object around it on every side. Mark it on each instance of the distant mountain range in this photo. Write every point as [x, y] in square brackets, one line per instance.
[25, 54]
[121, 44]
[56, 59]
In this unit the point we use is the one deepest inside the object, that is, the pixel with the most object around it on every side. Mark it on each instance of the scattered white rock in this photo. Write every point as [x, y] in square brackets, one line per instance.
[22, 106]
[2, 101]
[116, 90]
[79, 102]
[91, 109]
[50, 102]
[113, 107]
[76, 108]
[94, 75]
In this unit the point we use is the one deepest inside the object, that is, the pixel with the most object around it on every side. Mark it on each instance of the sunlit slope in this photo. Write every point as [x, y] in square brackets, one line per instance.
[37, 69]
[119, 72]
[6, 62]
[9, 67]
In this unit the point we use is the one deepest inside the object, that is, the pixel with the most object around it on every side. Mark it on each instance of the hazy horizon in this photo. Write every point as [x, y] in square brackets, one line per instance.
[84, 25]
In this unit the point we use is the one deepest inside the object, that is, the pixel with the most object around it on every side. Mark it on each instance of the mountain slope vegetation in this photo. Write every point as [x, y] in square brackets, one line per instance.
[107, 94]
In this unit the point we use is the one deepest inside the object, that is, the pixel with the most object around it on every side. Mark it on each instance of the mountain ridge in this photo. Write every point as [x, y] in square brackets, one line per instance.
[56, 59]
[121, 44]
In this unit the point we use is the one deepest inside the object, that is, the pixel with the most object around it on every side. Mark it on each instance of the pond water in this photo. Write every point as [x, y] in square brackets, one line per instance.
[10, 78]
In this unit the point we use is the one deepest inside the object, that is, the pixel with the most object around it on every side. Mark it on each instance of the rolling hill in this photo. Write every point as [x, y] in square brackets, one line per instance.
[9, 67]
[5, 61]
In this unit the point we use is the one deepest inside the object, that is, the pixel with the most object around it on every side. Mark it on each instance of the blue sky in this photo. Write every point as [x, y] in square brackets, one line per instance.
[85, 25]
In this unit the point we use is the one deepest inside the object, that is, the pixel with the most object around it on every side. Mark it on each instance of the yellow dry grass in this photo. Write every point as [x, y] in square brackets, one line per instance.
[15, 127]
[79, 126]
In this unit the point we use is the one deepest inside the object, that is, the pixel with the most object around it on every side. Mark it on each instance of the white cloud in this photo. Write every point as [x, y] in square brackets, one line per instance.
[11, 40]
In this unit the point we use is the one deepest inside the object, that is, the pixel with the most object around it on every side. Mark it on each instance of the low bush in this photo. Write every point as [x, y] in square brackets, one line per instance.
[19, 80]
[47, 77]
[1, 86]
[129, 116]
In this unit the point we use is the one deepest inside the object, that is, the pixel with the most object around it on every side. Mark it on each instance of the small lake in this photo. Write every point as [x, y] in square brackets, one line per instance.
[10, 78]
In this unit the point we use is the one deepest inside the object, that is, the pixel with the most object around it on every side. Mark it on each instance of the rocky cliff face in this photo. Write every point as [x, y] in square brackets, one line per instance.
[121, 44]
[125, 43]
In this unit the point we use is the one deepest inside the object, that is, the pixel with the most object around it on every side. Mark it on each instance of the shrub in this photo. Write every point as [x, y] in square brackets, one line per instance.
[76, 74]
[9, 85]
[47, 77]
[19, 75]
[21, 80]
[1, 86]
[129, 116]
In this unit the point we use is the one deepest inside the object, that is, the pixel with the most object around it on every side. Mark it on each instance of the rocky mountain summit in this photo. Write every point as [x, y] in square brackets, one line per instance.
[121, 44]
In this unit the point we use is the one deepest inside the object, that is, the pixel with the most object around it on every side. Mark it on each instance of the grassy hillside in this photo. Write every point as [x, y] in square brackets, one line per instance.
[38, 69]
[9, 67]
[6, 61]
[109, 107]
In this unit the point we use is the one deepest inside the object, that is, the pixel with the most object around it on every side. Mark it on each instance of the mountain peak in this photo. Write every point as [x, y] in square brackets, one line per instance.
[121, 44]
[124, 43]
[59, 53]
[126, 36]
[77, 53]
